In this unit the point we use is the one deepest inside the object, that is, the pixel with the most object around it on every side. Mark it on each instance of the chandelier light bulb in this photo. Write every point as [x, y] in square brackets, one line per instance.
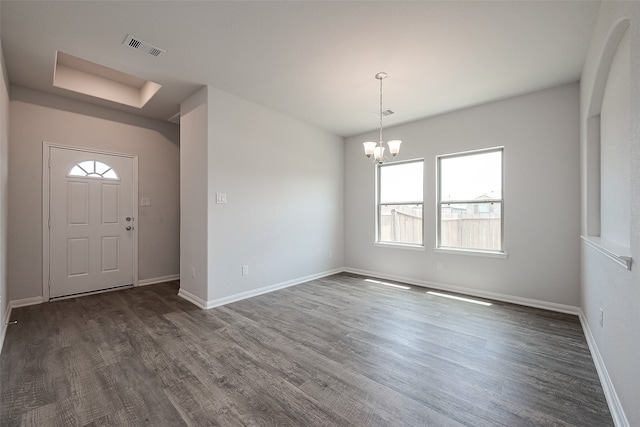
[369, 148]
[394, 146]
[378, 153]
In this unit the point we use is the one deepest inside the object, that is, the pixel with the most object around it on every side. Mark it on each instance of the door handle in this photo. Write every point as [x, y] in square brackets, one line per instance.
[129, 228]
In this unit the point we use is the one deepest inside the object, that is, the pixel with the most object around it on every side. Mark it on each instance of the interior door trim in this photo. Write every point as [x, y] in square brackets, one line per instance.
[46, 148]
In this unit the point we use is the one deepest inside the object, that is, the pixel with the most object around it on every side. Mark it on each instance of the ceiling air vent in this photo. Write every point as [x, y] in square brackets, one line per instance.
[386, 113]
[142, 46]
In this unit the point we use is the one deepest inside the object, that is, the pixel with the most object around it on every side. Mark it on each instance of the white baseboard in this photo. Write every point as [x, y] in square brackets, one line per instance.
[615, 407]
[156, 280]
[266, 289]
[25, 302]
[192, 298]
[529, 302]
[15, 304]
[252, 293]
[5, 324]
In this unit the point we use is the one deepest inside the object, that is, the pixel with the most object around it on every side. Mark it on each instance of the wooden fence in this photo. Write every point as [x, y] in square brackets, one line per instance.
[401, 227]
[471, 231]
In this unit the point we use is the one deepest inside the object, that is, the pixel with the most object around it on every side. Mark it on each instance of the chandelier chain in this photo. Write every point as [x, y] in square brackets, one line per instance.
[380, 112]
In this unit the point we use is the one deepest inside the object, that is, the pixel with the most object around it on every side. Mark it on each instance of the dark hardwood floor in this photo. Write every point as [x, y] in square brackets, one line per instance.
[335, 351]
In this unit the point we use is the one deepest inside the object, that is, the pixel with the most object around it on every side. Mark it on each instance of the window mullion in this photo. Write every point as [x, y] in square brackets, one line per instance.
[401, 203]
[463, 202]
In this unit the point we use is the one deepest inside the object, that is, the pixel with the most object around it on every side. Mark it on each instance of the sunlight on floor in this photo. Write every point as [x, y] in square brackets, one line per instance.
[387, 284]
[474, 301]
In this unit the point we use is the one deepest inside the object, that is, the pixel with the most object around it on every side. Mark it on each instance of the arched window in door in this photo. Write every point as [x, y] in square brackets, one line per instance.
[93, 169]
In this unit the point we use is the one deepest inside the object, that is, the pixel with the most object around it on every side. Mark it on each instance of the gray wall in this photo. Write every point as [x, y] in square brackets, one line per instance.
[194, 170]
[615, 140]
[539, 132]
[36, 117]
[285, 197]
[4, 193]
[605, 284]
[284, 185]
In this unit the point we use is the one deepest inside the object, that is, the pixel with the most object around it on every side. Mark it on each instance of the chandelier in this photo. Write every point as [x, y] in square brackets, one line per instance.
[375, 151]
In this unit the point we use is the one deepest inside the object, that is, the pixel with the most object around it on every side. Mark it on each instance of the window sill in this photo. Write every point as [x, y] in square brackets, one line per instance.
[470, 252]
[400, 246]
[619, 254]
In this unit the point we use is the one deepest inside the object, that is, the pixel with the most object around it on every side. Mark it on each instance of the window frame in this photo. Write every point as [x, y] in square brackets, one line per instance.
[439, 203]
[378, 206]
[94, 174]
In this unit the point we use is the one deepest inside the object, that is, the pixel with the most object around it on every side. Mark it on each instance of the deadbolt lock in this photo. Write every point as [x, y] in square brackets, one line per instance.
[128, 218]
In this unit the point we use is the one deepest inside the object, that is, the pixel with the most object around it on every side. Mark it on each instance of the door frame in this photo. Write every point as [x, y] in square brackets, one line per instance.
[46, 146]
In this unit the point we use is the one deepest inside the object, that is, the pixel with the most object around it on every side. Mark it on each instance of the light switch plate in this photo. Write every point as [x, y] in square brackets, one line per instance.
[221, 198]
[145, 201]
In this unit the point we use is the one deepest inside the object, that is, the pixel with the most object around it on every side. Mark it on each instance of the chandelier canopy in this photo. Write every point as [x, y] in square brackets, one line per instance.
[375, 151]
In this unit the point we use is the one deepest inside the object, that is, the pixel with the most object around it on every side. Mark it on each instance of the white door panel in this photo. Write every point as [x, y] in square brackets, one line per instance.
[78, 198]
[77, 257]
[110, 258]
[90, 247]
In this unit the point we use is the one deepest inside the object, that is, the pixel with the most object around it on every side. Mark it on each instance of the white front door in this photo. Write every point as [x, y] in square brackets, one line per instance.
[91, 234]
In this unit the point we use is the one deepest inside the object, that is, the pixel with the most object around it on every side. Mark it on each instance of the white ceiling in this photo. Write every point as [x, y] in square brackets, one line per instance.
[314, 60]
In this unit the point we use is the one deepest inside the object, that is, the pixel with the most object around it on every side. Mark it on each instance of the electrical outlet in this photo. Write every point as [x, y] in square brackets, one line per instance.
[601, 317]
[245, 270]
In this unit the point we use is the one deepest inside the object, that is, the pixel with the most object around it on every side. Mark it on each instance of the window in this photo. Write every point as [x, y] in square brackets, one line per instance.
[400, 202]
[93, 169]
[470, 203]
